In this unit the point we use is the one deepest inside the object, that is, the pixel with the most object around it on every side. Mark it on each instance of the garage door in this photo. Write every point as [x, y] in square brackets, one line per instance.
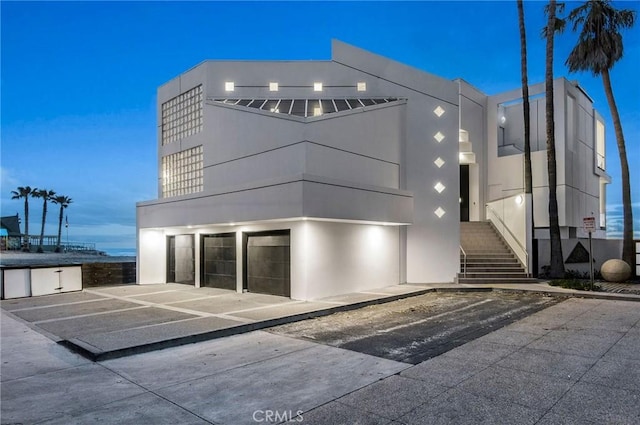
[219, 261]
[181, 259]
[268, 263]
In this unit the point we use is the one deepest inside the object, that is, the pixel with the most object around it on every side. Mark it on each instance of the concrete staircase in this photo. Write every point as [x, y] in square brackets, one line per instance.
[489, 258]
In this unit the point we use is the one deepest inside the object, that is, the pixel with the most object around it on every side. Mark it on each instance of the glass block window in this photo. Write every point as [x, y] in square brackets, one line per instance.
[182, 173]
[182, 116]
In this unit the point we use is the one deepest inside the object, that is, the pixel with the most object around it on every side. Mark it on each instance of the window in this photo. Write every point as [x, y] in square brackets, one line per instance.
[327, 106]
[270, 105]
[571, 122]
[342, 105]
[182, 116]
[600, 143]
[603, 204]
[257, 103]
[284, 107]
[299, 108]
[182, 172]
[355, 103]
[313, 108]
[307, 107]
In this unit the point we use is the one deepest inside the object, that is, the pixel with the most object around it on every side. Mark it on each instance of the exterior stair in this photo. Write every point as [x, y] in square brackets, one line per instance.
[489, 259]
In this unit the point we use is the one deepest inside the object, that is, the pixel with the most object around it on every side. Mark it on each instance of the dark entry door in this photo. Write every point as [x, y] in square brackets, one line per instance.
[464, 192]
[219, 261]
[181, 259]
[268, 263]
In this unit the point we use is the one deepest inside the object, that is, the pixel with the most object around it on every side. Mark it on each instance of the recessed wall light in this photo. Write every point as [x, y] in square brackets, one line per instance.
[439, 187]
[317, 86]
[229, 86]
[362, 86]
[439, 162]
[439, 111]
[439, 137]
[273, 86]
[439, 212]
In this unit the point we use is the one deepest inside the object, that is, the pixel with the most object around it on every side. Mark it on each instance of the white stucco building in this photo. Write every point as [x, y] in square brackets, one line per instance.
[313, 178]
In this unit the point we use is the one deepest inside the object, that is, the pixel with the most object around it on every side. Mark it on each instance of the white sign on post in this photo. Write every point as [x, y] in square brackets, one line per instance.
[589, 224]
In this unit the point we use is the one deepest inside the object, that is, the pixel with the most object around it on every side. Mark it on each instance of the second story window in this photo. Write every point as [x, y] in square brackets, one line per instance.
[182, 116]
[600, 144]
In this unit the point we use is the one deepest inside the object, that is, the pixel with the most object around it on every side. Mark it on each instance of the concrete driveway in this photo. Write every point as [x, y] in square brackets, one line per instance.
[113, 321]
[575, 362]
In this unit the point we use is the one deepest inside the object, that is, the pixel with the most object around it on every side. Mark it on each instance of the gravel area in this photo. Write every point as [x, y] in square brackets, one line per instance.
[620, 288]
[11, 258]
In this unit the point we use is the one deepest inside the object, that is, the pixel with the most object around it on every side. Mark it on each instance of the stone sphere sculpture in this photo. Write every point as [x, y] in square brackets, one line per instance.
[615, 271]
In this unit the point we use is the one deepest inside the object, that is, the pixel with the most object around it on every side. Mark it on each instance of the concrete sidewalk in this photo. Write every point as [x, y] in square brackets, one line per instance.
[575, 362]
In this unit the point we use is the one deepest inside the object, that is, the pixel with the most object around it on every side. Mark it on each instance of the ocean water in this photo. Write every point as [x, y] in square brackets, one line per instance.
[119, 252]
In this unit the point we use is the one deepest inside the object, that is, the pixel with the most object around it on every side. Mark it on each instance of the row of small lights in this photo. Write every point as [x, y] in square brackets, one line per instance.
[230, 86]
[439, 187]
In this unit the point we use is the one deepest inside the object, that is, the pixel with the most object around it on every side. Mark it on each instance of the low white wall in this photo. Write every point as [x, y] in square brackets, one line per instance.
[55, 280]
[35, 281]
[16, 283]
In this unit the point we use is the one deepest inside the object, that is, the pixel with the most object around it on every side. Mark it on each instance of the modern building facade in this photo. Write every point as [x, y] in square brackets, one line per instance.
[308, 179]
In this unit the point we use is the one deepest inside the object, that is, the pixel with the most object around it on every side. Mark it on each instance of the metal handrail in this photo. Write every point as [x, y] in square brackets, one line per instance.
[526, 254]
[464, 263]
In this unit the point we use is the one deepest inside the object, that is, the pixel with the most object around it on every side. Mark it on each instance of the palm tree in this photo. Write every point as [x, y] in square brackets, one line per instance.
[528, 179]
[45, 195]
[598, 48]
[557, 261]
[64, 202]
[24, 192]
[525, 100]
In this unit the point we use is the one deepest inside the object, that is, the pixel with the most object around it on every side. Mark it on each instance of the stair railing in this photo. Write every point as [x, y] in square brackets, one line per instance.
[464, 262]
[525, 260]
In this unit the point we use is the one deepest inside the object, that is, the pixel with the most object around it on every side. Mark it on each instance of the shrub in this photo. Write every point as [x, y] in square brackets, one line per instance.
[582, 285]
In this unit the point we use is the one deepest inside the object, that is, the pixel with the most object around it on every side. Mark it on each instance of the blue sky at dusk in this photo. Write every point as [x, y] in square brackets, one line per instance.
[79, 80]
